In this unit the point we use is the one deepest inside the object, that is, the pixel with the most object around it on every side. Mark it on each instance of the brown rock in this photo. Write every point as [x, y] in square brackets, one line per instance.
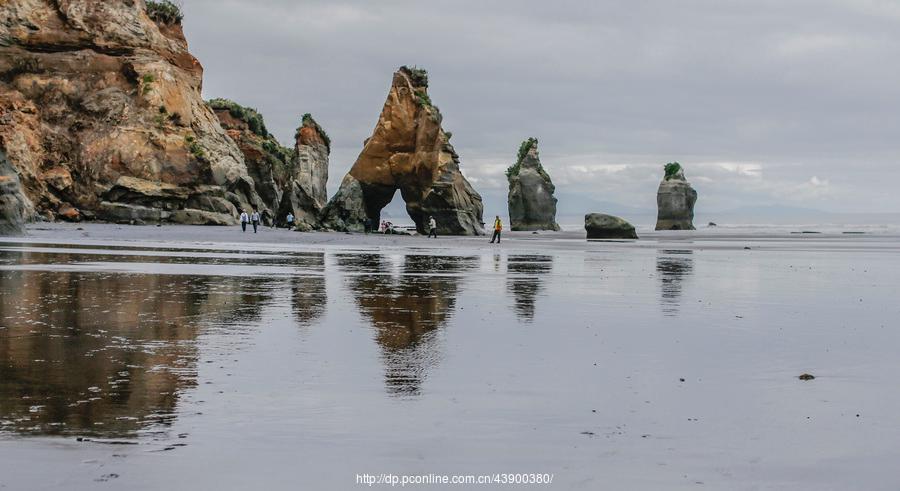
[92, 91]
[409, 152]
[68, 213]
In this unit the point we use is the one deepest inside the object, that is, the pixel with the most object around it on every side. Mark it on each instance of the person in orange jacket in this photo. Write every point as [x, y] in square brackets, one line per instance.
[498, 227]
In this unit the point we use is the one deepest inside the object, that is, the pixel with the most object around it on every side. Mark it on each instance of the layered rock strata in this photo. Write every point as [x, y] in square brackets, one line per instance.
[410, 152]
[532, 205]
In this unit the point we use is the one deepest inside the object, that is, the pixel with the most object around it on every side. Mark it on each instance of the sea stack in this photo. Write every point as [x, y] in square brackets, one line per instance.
[675, 200]
[306, 195]
[101, 116]
[410, 152]
[532, 205]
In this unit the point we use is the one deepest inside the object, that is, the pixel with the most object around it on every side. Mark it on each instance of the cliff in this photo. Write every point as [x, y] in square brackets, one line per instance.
[101, 115]
[410, 152]
[532, 205]
[305, 195]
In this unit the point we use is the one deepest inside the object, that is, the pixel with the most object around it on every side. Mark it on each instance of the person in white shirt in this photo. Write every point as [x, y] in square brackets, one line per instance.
[254, 218]
[432, 228]
[290, 221]
[244, 220]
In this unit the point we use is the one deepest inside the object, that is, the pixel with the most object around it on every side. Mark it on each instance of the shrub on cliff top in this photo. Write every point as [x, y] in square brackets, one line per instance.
[672, 169]
[164, 12]
[248, 115]
[523, 151]
[307, 119]
[418, 76]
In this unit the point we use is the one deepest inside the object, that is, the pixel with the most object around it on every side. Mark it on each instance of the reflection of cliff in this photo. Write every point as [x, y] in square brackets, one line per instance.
[106, 353]
[524, 281]
[310, 297]
[406, 309]
[673, 266]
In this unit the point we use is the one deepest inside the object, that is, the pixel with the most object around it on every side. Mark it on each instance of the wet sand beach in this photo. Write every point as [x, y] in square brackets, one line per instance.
[178, 357]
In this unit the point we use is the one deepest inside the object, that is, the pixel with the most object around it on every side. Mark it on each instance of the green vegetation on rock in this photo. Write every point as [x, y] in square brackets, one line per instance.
[195, 148]
[308, 120]
[523, 151]
[418, 76]
[164, 12]
[672, 169]
[248, 115]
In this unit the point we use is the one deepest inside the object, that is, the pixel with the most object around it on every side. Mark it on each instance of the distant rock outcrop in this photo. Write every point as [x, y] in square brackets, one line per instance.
[101, 115]
[305, 195]
[408, 151]
[13, 204]
[675, 200]
[532, 205]
[268, 163]
[601, 226]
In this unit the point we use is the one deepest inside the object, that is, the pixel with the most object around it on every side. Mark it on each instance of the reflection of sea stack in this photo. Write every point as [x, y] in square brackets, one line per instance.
[532, 205]
[408, 151]
[675, 200]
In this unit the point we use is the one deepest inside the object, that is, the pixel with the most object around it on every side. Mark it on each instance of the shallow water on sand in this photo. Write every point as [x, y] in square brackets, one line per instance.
[607, 365]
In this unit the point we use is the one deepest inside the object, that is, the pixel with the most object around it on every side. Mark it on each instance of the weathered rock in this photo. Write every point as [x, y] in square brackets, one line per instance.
[68, 213]
[675, 200]
[408, 151]
[94, 91]
[13, 204]
[305, 194]
[601, 226]
[268, 163]
[532, 205]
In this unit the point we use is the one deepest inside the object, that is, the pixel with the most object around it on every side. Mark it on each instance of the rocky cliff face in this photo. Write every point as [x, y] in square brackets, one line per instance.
[305, 195]
[101, 116]
[13, 205]
[408, 151]
[532, 205]
[268, 163]
[675, 200]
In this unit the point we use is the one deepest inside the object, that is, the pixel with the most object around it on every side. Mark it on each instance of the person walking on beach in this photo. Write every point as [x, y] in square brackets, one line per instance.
[498, 227]
[244, 220]
[432, 228]
[290, 221]
[254, 218]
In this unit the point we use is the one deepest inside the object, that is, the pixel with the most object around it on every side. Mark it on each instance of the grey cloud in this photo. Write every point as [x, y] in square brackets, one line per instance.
[800, 89]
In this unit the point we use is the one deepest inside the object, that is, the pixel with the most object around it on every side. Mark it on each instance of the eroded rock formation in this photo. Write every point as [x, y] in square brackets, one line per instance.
[410, 152]
[602, 226]
[13, 204]
[268, 163]
[675, 200]
[532, 205]
[101, 116]
[305, 195]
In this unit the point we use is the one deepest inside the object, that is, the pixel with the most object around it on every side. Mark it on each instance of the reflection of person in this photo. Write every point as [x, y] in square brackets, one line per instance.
[254, 218]
[432, 228]
[244, 220]
[367, 225]
[290, 221]
[498, 227]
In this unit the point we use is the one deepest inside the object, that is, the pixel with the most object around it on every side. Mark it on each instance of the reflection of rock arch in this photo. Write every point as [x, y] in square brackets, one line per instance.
[673, 266]
[407, 309]
[525, 281]
[410, 152]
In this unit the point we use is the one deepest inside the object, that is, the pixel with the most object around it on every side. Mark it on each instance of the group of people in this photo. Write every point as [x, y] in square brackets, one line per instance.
[254, 219]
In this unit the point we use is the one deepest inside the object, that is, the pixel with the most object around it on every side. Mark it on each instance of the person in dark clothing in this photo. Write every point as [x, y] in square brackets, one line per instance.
[432, 228]
[254, 218]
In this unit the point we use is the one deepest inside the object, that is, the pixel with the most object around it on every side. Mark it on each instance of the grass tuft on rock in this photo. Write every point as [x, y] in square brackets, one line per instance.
[307, 120]
[672, 169]
[248, 115]
[524, 148]
[164, 12]
[418, 76]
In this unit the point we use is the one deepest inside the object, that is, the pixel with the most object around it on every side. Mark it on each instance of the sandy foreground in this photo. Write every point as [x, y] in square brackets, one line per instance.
[178, 357]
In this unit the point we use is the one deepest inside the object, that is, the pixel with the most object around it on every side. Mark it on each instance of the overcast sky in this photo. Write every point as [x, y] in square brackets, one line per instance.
[793, 103]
